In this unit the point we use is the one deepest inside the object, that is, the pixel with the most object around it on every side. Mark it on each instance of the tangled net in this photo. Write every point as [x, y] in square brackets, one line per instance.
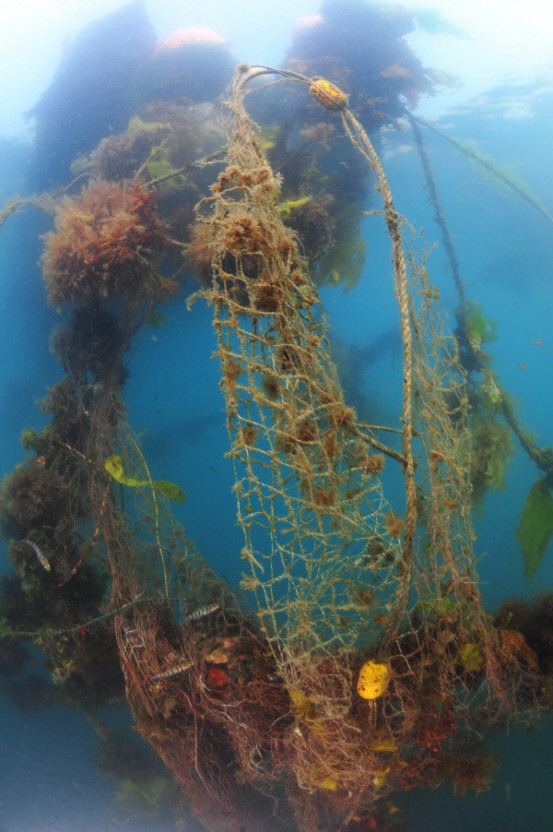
[367, 650]
[357, 657]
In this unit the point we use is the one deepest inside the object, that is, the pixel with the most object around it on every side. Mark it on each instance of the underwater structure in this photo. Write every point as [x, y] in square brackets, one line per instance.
[355, 659]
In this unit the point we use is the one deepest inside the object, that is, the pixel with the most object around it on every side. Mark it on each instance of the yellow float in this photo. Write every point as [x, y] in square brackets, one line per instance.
[372, 684]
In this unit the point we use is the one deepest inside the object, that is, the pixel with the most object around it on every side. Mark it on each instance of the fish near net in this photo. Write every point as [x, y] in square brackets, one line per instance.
[193, 665]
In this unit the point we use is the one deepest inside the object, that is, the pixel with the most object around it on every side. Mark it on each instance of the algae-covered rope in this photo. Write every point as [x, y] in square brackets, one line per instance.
[542, 457]
[361, 141]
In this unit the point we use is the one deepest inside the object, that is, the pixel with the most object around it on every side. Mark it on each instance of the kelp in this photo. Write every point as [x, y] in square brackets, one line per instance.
[536, 525]
[114, 466]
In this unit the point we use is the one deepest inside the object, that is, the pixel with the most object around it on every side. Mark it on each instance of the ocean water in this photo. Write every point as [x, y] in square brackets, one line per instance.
[49, 777]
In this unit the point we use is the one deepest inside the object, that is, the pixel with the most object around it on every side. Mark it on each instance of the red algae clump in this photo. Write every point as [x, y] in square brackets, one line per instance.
[103, 246]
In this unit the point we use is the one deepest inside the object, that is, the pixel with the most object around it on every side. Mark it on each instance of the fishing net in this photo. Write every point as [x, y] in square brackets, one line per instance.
[356, 657]
[369, 649]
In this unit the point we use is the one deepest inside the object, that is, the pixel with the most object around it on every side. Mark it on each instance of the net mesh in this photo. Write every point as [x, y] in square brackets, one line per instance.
[309, 497]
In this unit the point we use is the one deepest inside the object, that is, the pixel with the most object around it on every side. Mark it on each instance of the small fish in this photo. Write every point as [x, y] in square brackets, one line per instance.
[42, 558]
[199, 613]
[178, 668]
[522, 367]
[536, 342]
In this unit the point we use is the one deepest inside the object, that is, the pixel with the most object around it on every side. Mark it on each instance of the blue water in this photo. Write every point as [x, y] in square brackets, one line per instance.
[48, 776]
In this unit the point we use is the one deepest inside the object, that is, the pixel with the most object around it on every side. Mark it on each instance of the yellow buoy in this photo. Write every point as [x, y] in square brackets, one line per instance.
[327, 94]
[373, 680]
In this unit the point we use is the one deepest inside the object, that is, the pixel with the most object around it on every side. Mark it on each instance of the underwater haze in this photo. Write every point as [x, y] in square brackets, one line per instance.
[114, 115]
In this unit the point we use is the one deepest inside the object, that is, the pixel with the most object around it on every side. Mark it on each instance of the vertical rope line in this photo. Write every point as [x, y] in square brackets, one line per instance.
[439, 217]
[361, 141]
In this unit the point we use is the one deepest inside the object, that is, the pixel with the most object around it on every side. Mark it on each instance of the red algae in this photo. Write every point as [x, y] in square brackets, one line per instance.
[103, 246]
